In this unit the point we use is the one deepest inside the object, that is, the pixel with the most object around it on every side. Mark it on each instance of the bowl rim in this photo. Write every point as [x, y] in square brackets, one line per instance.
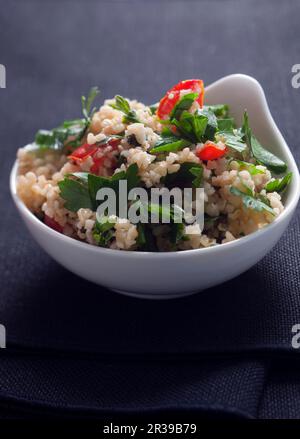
[289, 208]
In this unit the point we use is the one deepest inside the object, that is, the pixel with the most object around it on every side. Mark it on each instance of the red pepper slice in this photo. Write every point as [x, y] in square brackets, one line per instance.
[168, 102]
[210, 151]
[50, 222]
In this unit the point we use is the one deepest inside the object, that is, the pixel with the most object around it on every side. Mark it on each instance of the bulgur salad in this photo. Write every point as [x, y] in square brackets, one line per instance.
[179, 142]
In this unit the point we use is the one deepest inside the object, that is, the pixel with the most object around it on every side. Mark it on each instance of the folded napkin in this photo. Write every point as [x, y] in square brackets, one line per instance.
[76, 349]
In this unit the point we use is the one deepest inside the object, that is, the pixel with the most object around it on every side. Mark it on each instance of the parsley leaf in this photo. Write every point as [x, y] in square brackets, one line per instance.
[75, 193]
[263, 156]
[103, 231]
[233, 141]
[220, 110]
[250, 202]
[169, 144]
[57, 138]
[279, 185]
[122, 105]
[184, 103]
[188, 175]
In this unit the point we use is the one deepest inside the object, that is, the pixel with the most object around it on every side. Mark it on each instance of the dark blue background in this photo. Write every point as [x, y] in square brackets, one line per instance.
[74, 346]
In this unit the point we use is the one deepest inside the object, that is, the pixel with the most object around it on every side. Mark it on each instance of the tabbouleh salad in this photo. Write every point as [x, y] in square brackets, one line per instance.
[179, 142]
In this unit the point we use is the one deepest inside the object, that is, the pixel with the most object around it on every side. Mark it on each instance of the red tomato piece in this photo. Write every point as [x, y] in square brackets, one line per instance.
[97, 164]
[83, 152]
[211, 151]
[168, 102]
[50, 222]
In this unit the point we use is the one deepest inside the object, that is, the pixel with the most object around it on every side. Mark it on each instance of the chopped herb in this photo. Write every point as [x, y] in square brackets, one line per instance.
[103, 232]
[279, 185]
[95, 183]
[177, 232]
[250, 167]
[75, 193]
[188, 175]
[145, 239]
[212, 124]
[80, 192]
[154, 107]
[184, 103]
[226, 124]
[169, 144]
[250, 202]
[57, 138]
[191, 126]
[259, 152]
[220, 110]
[233, 141]
[123, 105]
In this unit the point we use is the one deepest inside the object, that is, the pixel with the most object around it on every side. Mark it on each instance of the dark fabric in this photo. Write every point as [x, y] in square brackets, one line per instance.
[73, 345]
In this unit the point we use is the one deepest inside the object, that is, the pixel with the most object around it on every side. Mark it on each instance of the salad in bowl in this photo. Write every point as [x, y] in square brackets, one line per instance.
[181, 142]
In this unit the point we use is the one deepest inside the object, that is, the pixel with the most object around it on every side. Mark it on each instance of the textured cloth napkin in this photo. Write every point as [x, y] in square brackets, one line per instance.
[76, 348]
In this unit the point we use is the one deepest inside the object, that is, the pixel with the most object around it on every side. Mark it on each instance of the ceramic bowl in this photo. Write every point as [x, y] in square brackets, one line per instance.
[167, 275]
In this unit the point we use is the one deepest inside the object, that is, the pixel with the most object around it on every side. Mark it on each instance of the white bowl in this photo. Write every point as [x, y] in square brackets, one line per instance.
[166, 275]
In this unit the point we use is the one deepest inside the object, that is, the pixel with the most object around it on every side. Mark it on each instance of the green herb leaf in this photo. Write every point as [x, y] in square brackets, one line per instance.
[123, 105]
[184, 103]
[146, 240]
[220, 110]
[226, 124]
[75, 193]
[188, 175]
[191, 126]
[95, 183]
[250, 202]
[169, 144]
[86, 103]
[212, 123]
[103, 232]
[279, 185]
[177, 232]
[233, 141]
[154, 107]
[264, 156]
[250, 167]
[57, 138]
